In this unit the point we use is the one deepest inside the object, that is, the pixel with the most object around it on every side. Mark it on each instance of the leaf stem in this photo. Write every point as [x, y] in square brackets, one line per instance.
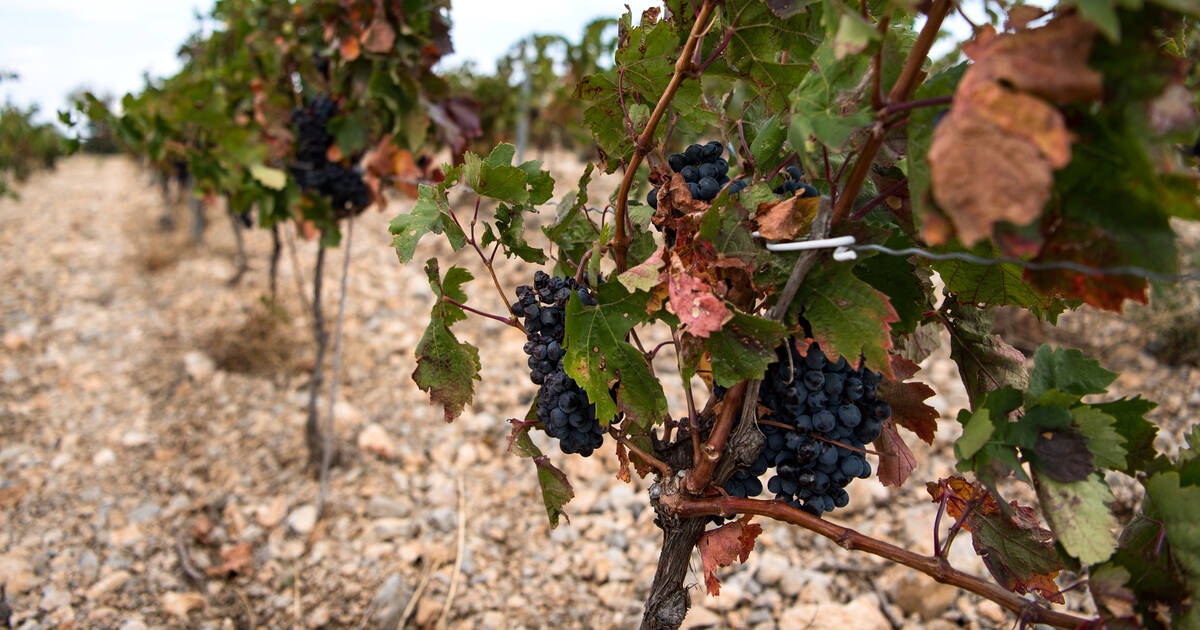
[862, 212]
[644, 142]
[657, 463]
[512, 321]
[896, 108]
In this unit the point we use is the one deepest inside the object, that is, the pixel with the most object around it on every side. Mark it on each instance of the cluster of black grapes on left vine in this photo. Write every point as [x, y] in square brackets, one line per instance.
[343, 186]
[562, 405]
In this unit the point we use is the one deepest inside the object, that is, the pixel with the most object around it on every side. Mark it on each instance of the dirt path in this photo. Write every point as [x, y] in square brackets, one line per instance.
[152, 461]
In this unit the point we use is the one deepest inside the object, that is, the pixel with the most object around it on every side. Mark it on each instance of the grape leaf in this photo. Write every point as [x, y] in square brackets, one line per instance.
[1131, 424]
[720, 547]
[693, 302]
[1068, 371]
[1105, 443]
[909, 410]
[898, 279]
[446, 367]
[984, 360]
[510, 232]
[787, 219]
[431, 213]
[1063, 455]
[743, 348]
[1017, 550]
[1002, 284]
[771, 53]
[556, 489]
[646, 275]
[977, 430]
[1178, 509]
[896, 461]
[848, 316]
[598, 357]
[1079, 515]
[496, 177]
[827, 103]
[767, 143]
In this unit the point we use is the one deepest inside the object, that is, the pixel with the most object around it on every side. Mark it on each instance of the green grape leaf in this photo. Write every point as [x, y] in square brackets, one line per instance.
[826, 103]
[598, 357]
[541, 184]
[495, 177]
[1178, 509]
[770, 52]
[556, 489]
[1068, 371]
[1079, 515]
[1102, 13]
[767, 143]
[897, 278]
[1138, 433]
[349, 132]
[1103, 440]
[510, 231]
[446, 367]
[995, 285]
[743, 348]
[853, 35]
[848, 316]
[429, 214]
[977, 430]
[272, 178]
[984, 360]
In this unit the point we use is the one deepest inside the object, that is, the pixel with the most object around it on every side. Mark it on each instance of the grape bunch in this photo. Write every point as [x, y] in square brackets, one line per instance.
[796, 184]
[562, 405]
[344, 187]
[704, 170]
[831, 412]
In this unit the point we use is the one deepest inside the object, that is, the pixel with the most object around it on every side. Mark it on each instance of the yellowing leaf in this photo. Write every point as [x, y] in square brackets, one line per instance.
[272, 178]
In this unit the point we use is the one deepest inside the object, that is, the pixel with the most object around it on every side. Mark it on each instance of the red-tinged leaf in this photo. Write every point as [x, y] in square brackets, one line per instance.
[457, 121]
[1017, 550]
[787, 219]
[903, 368]
[720, 547]
[896, 462]
[692, 299]
[908, 407]
[1104, 292]
[379, 36]
[235, 560]
[556, 490]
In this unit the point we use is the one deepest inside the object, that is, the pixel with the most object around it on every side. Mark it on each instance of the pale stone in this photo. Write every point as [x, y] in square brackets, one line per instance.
[104, 457]
[199, 366]
[181, 604]
[700, 617]
[376, 440]
[303, 519]
[861, 614]
[270, 514]
[918, 595]
[107, 584]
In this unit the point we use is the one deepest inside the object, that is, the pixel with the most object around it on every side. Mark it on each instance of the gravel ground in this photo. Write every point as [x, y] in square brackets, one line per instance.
[152, 464]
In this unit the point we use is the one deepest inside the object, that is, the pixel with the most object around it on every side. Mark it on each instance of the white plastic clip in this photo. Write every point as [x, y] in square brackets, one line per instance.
[841, 252]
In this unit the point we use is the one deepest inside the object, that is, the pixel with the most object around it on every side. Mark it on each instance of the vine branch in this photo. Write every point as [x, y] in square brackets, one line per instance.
[644, 142]
[937, 568]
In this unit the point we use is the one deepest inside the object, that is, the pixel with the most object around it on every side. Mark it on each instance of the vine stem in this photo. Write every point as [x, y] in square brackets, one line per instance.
[644, 142]
[901, 91]
[312, 426]
[657, 463]
[705, 461]
[891, 190]
[937, 568]
[328, 445]
[509, 321]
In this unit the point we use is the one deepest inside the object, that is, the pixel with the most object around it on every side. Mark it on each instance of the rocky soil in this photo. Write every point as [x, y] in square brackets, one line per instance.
[152, 462]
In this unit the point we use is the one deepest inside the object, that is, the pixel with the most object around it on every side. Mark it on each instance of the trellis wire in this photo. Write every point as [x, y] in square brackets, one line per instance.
[1120, 270]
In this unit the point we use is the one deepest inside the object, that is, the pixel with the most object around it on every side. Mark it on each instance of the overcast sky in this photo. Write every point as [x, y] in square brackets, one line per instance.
[59, 45]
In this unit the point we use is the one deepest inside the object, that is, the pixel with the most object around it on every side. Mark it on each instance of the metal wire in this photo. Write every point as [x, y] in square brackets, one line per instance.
[1120, 270]
[1123, 270]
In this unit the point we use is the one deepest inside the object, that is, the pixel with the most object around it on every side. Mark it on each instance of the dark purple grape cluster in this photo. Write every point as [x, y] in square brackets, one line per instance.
[796, 184]
[704, 170]
[344, 187]
[562, 405]
[830, 411]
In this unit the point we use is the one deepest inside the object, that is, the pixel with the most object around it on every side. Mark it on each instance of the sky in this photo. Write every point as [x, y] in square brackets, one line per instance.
[57, 46]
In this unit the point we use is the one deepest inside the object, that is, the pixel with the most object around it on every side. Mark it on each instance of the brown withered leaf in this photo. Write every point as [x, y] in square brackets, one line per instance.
[720, 547]
[896, 461]
[349, 48]
[237, 560]
[1020, 16]
[623, 458]
[1049, 61]
[787, 219]
[1022, 115]
[379, 36]
[982, 175]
